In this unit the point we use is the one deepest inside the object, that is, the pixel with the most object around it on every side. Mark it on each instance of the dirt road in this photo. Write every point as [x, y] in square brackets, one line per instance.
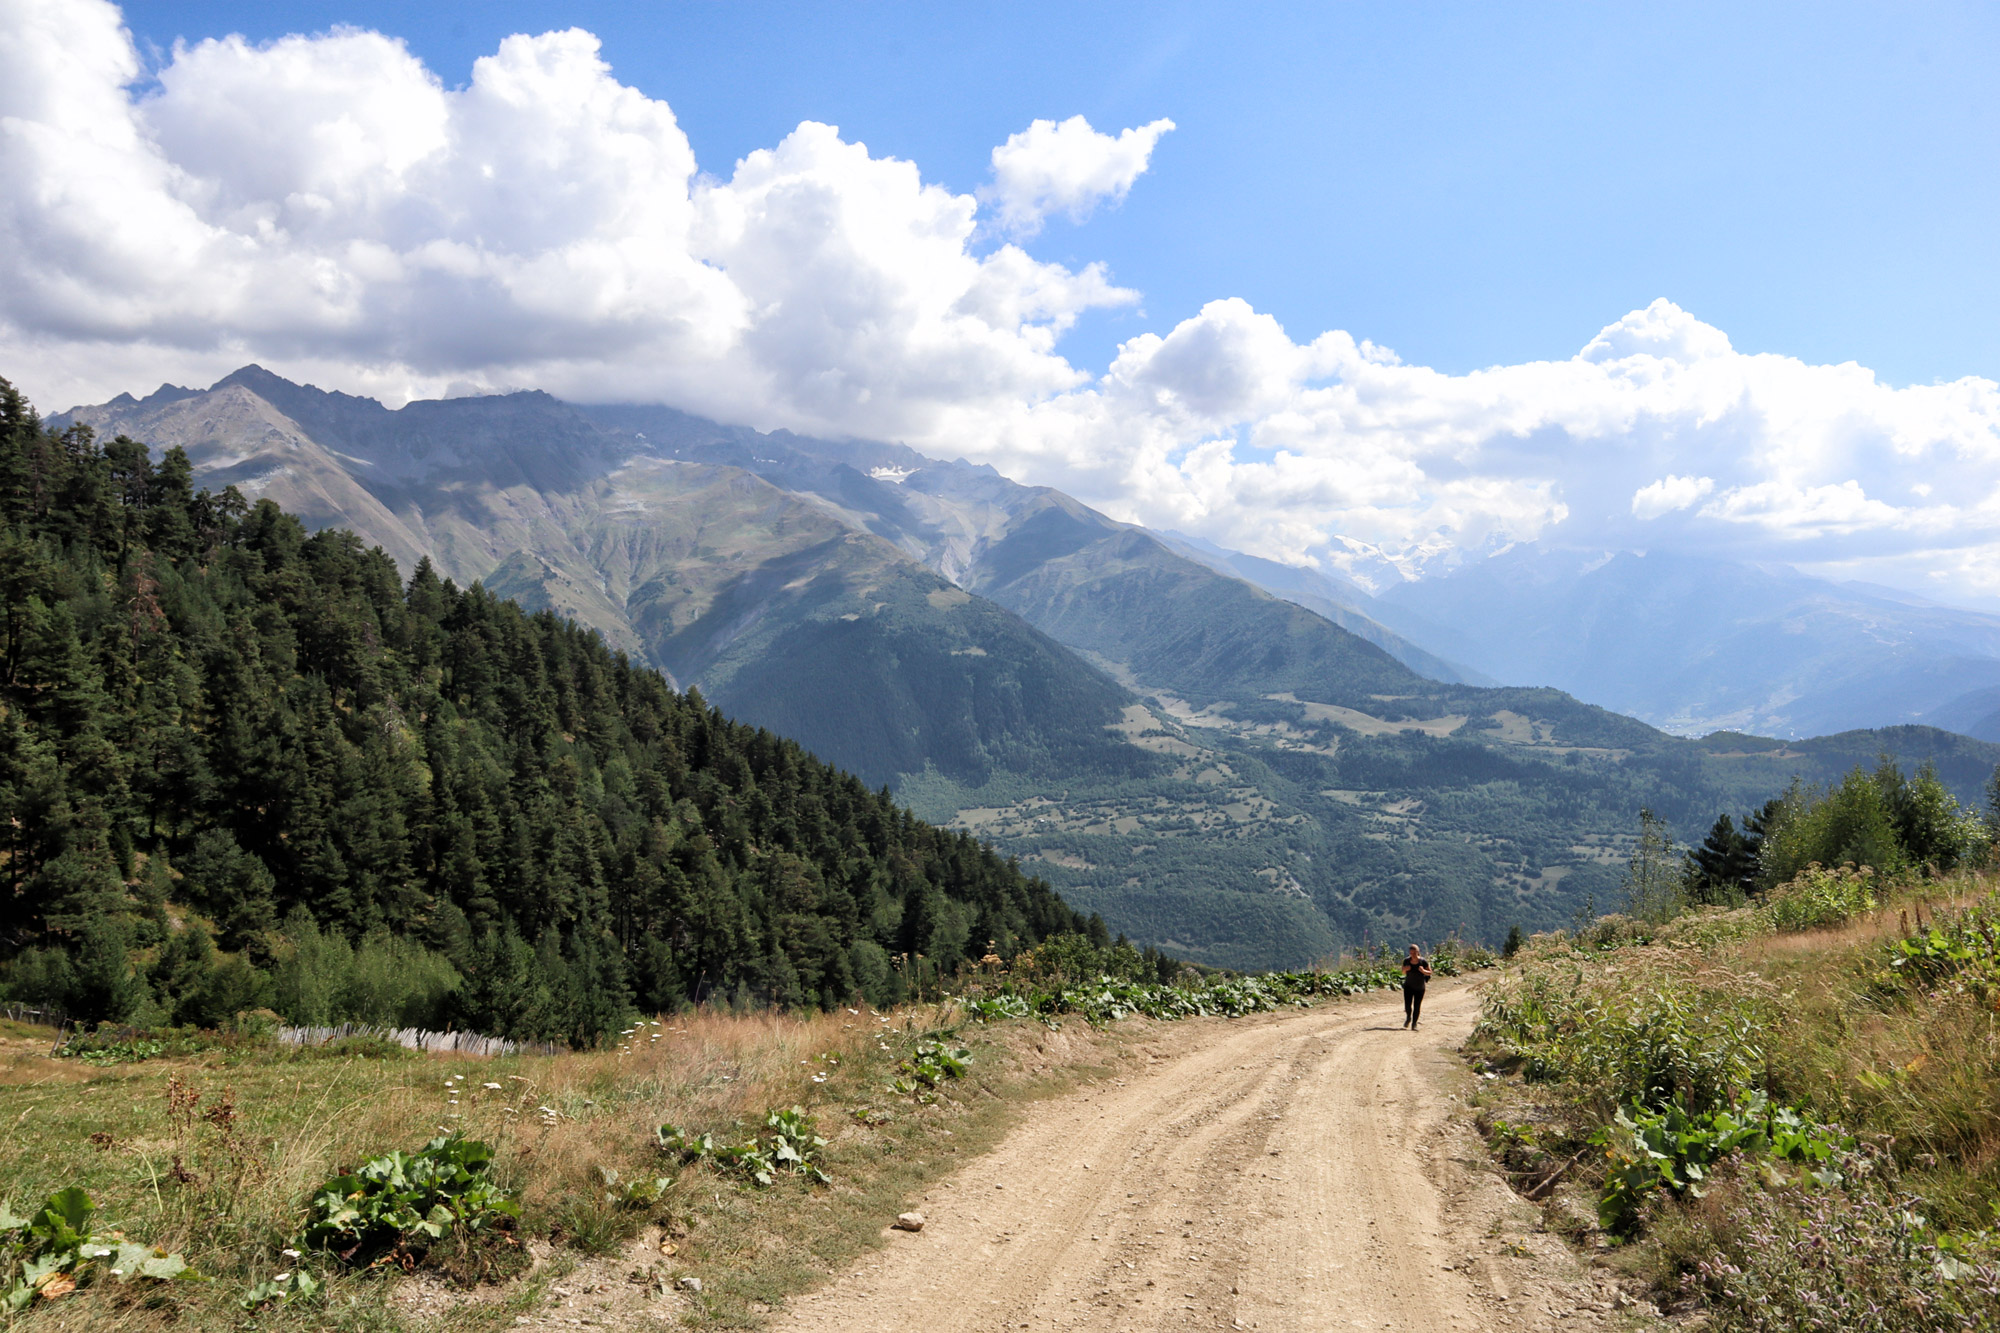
[1302, 1171]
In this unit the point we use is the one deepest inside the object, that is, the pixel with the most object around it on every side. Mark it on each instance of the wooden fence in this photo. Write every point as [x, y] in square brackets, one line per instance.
[418, 1039]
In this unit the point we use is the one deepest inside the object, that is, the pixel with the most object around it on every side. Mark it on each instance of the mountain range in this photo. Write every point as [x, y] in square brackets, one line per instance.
[1242, 762]
[1687, 643]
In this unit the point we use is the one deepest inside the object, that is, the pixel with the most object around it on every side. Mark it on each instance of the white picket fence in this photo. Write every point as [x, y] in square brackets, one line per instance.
[418, 1039]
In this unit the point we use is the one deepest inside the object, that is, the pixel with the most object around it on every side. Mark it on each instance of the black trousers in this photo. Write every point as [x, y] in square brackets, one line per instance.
[1413, 1005]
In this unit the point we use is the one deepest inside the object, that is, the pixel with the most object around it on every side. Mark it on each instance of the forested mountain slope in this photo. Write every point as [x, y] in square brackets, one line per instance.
[783, 613]
[209, 717]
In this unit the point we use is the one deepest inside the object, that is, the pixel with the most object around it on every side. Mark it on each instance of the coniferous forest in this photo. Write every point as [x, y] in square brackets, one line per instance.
[242, 767]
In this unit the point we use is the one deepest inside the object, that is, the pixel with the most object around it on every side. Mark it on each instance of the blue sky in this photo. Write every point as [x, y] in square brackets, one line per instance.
[1468, 184]
[1378, 288]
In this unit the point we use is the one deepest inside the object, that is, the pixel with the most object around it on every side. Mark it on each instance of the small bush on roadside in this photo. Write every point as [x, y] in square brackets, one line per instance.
[1818, 898]
[789, 1144]
[1671, 1150]
[1455, 956]
[1634, 1037]
[1962, 946]
[931, 1064]
[994, 1009]
[399, 1206]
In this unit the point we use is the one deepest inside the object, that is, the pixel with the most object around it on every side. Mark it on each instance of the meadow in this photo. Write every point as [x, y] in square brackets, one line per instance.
[1782, 1113]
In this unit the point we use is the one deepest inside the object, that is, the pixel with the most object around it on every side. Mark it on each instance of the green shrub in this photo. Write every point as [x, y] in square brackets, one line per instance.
[1963, 945]
[1670, 1149]
[790, 1144]
[108, 1045]
[1629, 1036]
[1064, 959]
[402, 1204]
[320, 979]
[641, 1192]
[932, 1063]
[1818, 898]
[991, 1009]
[1455, 957]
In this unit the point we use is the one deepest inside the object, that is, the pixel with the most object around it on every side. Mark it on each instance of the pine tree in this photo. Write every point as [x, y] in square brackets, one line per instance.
[1723, 870]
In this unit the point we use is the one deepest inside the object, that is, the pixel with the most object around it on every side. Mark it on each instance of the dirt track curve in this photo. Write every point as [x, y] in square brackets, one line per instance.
[1301, 1171]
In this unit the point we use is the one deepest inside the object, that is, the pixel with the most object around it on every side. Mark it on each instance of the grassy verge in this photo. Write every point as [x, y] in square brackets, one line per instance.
[212, 1148]
[1787, 1114]
[212, 1156]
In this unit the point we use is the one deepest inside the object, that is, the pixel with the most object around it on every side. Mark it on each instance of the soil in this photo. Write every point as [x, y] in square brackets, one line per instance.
[1310, 1170]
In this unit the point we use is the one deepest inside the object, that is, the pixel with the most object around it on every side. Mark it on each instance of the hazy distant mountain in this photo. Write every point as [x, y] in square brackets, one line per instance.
[1129, 597]
[1339, 600]
[1694, 645]
[1246, 764]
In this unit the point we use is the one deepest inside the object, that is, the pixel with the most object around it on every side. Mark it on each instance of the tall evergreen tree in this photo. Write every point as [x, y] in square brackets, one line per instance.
[1723, 870]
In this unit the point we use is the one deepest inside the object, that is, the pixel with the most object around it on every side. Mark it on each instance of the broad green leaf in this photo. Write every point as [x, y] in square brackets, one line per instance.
[130, 1260]
[65, 1218]
[163, 1266]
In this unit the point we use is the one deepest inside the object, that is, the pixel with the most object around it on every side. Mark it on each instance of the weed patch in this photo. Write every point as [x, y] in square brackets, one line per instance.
[48, 1256]
[1862, 1259]
[931, 1064]
[789, 1145]
[1789, 1117]
[1671, 1150]
[1646, 1034]
[394, 1209]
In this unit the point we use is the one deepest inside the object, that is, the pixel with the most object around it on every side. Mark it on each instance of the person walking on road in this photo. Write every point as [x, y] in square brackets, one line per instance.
[1416, 971]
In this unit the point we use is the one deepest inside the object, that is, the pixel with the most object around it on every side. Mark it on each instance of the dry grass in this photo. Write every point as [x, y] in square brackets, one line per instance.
[223, 1176]
[1903, 908]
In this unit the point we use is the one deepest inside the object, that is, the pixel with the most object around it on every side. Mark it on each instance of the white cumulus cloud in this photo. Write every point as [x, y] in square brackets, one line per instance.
[329, 206]
[326, 204]
[1066, 168]
[1669, 494]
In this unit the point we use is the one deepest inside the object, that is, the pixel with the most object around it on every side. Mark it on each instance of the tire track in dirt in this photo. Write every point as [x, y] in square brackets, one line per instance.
[1292, 1171]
